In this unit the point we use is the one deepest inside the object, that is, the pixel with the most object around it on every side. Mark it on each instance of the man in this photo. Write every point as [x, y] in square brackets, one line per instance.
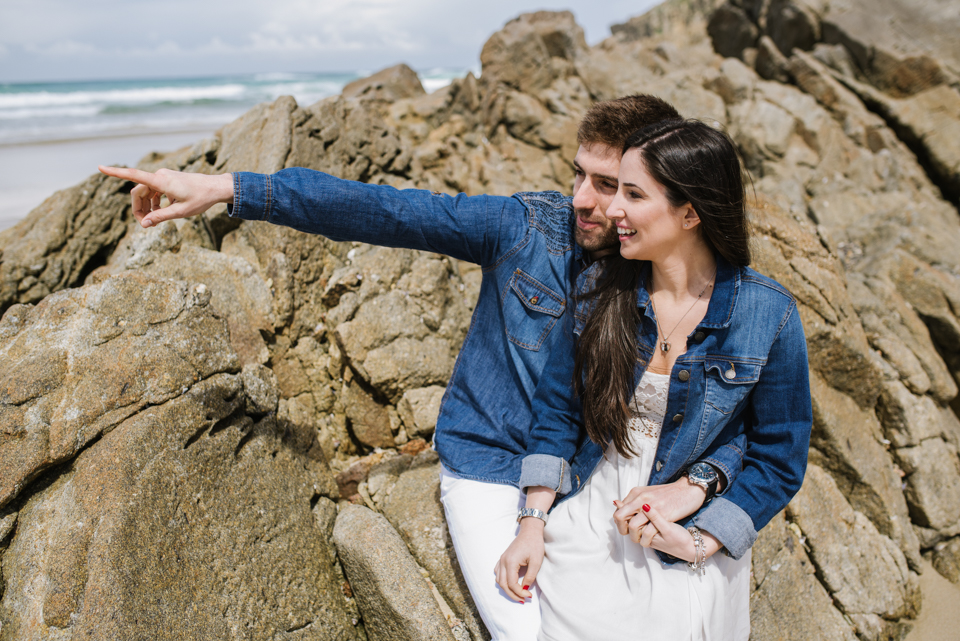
[531, 246]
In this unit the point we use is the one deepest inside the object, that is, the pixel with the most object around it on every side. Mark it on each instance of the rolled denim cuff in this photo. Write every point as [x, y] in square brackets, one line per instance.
[252, 196]
[729, 524]
[547, 471]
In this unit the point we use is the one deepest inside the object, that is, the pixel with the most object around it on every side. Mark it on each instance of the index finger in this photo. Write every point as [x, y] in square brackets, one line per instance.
[134, 175]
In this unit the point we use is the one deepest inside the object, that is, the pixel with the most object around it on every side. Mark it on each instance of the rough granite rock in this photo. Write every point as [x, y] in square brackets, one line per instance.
[413, 506]
[140, 535]
[139, 538]
[259, 140]
[389, 84]
[419, 409]
[234, 286]
[933, 483]
[843, 113]
[399, 318]
[368, 420]
[147, 340]
[393, 597]
[864, 571]
[788, 602]
[64, 239]
[946, 559]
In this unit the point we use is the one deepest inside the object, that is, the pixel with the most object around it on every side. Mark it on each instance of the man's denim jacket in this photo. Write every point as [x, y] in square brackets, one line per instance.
[744, 374]
[530, 262]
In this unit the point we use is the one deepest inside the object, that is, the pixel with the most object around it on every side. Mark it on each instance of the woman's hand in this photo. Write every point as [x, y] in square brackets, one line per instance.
[675, 501]
[525, 551]
[189, 194]
[668, 537]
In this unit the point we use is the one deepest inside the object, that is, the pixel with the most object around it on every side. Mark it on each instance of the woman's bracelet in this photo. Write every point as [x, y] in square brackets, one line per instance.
[699, 551]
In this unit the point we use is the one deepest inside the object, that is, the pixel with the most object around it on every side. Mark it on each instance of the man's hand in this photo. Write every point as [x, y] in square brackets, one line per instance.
[525, 551]
[189, 194]
[674, 501]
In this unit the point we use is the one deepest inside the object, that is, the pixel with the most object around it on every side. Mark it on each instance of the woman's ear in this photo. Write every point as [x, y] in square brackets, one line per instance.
[689, 216]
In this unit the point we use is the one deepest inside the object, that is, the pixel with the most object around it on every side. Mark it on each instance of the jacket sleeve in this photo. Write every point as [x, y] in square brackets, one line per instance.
[725, 454]
[477, 229]
[778, 438]
[557, 420]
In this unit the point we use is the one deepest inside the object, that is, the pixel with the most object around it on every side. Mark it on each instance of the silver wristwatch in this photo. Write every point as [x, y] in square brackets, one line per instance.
[530, 511]
[705, 476]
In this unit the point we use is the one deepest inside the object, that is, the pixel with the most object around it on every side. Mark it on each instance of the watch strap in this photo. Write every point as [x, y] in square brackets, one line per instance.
[531, 511]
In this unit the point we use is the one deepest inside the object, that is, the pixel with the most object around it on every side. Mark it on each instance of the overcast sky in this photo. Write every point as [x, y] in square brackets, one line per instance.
[46, 40]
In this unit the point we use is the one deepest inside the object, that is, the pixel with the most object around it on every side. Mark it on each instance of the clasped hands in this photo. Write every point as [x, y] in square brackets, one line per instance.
[647, 515]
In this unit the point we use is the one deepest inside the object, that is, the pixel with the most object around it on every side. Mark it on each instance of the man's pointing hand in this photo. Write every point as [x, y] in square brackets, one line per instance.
[189, 194]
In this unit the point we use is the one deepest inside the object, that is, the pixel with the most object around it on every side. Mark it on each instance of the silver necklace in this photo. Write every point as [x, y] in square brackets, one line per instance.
[665, 341]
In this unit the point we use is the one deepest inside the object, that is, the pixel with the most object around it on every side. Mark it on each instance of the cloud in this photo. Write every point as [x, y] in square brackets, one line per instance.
[62, 49]
[131, 38]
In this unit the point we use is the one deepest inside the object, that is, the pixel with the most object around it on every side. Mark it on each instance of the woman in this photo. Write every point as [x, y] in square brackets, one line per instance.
[678, 342]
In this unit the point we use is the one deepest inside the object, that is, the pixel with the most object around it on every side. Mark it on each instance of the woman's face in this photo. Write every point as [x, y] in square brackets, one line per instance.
[648, 226]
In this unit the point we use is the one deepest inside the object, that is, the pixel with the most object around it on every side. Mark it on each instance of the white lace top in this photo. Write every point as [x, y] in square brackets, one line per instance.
[650, 404]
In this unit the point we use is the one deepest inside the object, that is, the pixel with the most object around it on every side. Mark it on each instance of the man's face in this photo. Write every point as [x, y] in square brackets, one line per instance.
[594, 187]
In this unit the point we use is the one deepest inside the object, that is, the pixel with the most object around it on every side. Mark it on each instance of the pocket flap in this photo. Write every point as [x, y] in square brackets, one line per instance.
[536, 296]
[732, 370]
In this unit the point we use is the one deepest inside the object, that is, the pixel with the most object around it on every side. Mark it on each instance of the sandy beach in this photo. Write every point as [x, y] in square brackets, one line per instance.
[29, 173]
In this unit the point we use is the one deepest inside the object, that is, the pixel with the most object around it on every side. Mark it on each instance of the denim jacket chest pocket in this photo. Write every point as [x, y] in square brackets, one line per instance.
[530, 310]
[728, 382]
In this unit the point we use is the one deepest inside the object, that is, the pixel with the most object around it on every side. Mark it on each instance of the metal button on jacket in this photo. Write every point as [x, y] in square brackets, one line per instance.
[659, 465]
[678, 418]
[534, 300]
[684, 376]
[699, 336]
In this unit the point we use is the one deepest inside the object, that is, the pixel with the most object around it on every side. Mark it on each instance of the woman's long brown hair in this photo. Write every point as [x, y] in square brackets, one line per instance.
[696, 164]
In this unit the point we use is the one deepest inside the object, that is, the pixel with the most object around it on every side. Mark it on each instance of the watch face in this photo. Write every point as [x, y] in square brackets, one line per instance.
[701, 472]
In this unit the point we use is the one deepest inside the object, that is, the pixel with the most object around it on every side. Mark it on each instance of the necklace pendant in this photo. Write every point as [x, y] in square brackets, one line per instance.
[664, 346]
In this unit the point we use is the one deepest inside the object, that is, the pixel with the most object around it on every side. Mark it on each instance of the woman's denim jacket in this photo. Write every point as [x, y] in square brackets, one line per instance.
[744, 374]
[530, 262]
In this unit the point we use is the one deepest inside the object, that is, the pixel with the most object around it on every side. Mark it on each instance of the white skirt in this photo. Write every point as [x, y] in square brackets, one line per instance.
[598, 584]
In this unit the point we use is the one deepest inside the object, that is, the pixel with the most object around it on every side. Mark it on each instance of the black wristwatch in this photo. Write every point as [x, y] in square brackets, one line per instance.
[705, 476]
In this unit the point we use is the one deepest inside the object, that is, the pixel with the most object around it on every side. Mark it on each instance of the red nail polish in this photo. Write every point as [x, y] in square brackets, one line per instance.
[526, 587]
[646, 508]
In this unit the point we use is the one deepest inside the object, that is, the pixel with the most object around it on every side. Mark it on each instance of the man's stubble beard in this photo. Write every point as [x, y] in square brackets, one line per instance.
[605, 239]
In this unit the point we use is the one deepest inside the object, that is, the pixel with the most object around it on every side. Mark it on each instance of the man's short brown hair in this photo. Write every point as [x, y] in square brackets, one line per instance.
[611, 122]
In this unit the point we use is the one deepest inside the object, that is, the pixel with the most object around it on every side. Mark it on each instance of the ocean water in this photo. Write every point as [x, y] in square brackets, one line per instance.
[53, 135]
[45, 112]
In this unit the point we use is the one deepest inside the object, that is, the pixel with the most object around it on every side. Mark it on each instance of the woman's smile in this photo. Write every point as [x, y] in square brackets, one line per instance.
[624, 233]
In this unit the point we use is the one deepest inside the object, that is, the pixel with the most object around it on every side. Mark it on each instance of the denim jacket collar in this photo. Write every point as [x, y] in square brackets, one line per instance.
[723, 301]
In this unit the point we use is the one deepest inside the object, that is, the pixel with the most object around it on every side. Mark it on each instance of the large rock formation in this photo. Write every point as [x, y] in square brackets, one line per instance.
[183, 407]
